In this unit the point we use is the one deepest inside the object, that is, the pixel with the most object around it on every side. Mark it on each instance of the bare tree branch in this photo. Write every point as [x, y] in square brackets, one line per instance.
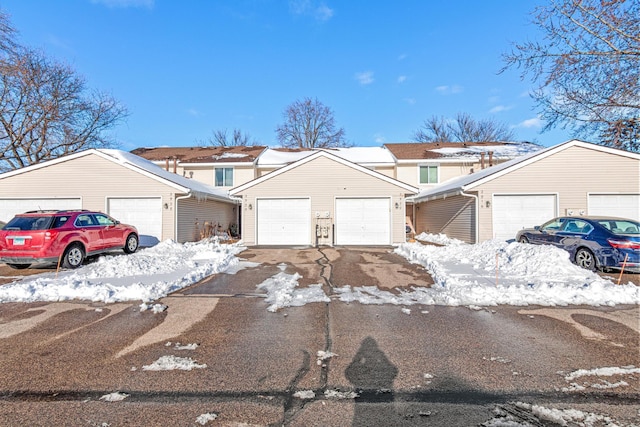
[220, 138]
[586, 67]
[463, 129]
[46, 111]
[309, 124]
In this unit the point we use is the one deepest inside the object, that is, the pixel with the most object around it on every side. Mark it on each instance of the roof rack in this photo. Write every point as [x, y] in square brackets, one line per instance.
[56, 211]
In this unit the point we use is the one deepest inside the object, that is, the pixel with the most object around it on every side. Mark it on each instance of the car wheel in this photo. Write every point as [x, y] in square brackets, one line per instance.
[131, 245]
[523, 239]
[586, 259]
[73, 256]
[19, 266]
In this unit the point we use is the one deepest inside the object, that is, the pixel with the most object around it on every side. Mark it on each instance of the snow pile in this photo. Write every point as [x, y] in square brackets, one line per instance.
[205, 418]
[146, 275]
[281, 292]
[599, 372]
[565, 417]
[440, 239]
[495, 272]
[170, 363]
[114, 397]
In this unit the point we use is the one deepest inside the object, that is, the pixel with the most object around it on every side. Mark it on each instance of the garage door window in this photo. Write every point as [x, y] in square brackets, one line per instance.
[428, 174]
[224, 177]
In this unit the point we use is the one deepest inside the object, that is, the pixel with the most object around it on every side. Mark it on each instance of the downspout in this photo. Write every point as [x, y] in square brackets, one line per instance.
[176, 218]
[477, 213]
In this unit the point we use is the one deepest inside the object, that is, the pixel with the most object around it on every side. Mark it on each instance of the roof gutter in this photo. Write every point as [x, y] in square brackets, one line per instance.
[477, 202]
[175, 223]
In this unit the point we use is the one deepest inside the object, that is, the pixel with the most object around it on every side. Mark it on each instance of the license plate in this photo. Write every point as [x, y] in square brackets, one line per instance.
[18, 241]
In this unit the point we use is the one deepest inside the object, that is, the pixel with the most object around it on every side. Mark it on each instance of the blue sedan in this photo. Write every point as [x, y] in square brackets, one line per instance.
[592, 242]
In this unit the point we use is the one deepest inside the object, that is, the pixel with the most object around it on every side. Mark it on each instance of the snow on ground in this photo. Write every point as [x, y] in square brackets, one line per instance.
[146, 275]
[170, 363]
[486, 274]
[496, 272]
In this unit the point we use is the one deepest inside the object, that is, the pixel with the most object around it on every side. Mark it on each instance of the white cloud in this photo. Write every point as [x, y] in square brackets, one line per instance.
[402, 79]
[379, 138]
[410, 101]
[500, 108]
[193, 112]
[323, 13]
[449, 90]
[365, 78]
[402, 56]
[530, 123]
[320, 11]
[126, 3]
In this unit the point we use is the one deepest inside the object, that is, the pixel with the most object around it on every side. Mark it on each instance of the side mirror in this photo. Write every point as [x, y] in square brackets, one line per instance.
[537, 228]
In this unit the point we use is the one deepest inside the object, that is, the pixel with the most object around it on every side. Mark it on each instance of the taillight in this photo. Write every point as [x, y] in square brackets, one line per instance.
[624, 244]
[50, 235]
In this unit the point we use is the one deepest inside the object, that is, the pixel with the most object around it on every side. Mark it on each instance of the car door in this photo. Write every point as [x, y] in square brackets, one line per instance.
[574, 234]
[546, 234]
[88, 225]
[111, 233]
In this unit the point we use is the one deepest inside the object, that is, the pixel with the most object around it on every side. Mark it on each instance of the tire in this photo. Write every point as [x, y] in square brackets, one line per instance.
[131, 244]
[73, 256]
[586, 259]
[523, 239]
[19, 266]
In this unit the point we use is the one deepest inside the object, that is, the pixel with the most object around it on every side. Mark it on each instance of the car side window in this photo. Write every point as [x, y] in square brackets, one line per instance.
[59, 221]
[553, 225]
[84, 220]
[577, 226]
[104, 220]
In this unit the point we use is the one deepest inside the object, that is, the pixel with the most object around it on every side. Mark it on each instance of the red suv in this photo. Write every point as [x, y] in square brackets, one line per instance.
[64, 237]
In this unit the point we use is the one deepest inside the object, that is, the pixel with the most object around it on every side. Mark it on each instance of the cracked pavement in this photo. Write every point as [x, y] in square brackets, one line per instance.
[442, 366]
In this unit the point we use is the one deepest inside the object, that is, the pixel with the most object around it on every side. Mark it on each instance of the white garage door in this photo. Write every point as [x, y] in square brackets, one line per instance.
[622, 205]
[284, 221]
[515, 212]
[144, 213]
[363, 221]
[10, 207]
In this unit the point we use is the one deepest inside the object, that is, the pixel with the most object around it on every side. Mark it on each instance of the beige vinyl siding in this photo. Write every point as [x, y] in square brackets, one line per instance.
[193, 213]
[453, 216]
[200, 174]
[572, 173]
[243, 174]
[93, 179]
[389, 171]
[323, 180]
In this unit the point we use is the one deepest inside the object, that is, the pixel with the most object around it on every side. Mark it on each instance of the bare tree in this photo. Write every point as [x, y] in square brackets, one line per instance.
[220, 138]
[463, 129]
[309, 124]
[586, 67]
[46, 111]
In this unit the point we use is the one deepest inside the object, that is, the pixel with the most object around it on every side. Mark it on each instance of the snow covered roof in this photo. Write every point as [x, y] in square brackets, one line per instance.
[413, 151]
[142, 166]
[199, 189]
[236, 154]
[278, 157]
[467, 182]
[311, 155]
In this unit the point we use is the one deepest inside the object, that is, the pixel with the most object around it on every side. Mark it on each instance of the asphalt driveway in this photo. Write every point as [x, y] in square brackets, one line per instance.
[320, 364]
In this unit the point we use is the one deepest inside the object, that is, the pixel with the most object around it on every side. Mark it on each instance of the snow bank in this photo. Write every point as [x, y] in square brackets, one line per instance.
[146, 275]
[496, 272]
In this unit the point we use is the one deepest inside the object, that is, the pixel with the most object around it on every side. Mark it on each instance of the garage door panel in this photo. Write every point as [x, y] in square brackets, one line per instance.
[144, 213]
[363, 221]
[621, 205]
[10, 207]
[283, 221]
[514, 212]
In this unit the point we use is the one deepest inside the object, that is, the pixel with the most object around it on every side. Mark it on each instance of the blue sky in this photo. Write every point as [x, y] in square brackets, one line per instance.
[187, 68]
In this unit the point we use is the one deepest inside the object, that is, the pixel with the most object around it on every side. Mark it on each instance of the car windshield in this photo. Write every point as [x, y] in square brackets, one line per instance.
[29, 223]
[621, 226]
